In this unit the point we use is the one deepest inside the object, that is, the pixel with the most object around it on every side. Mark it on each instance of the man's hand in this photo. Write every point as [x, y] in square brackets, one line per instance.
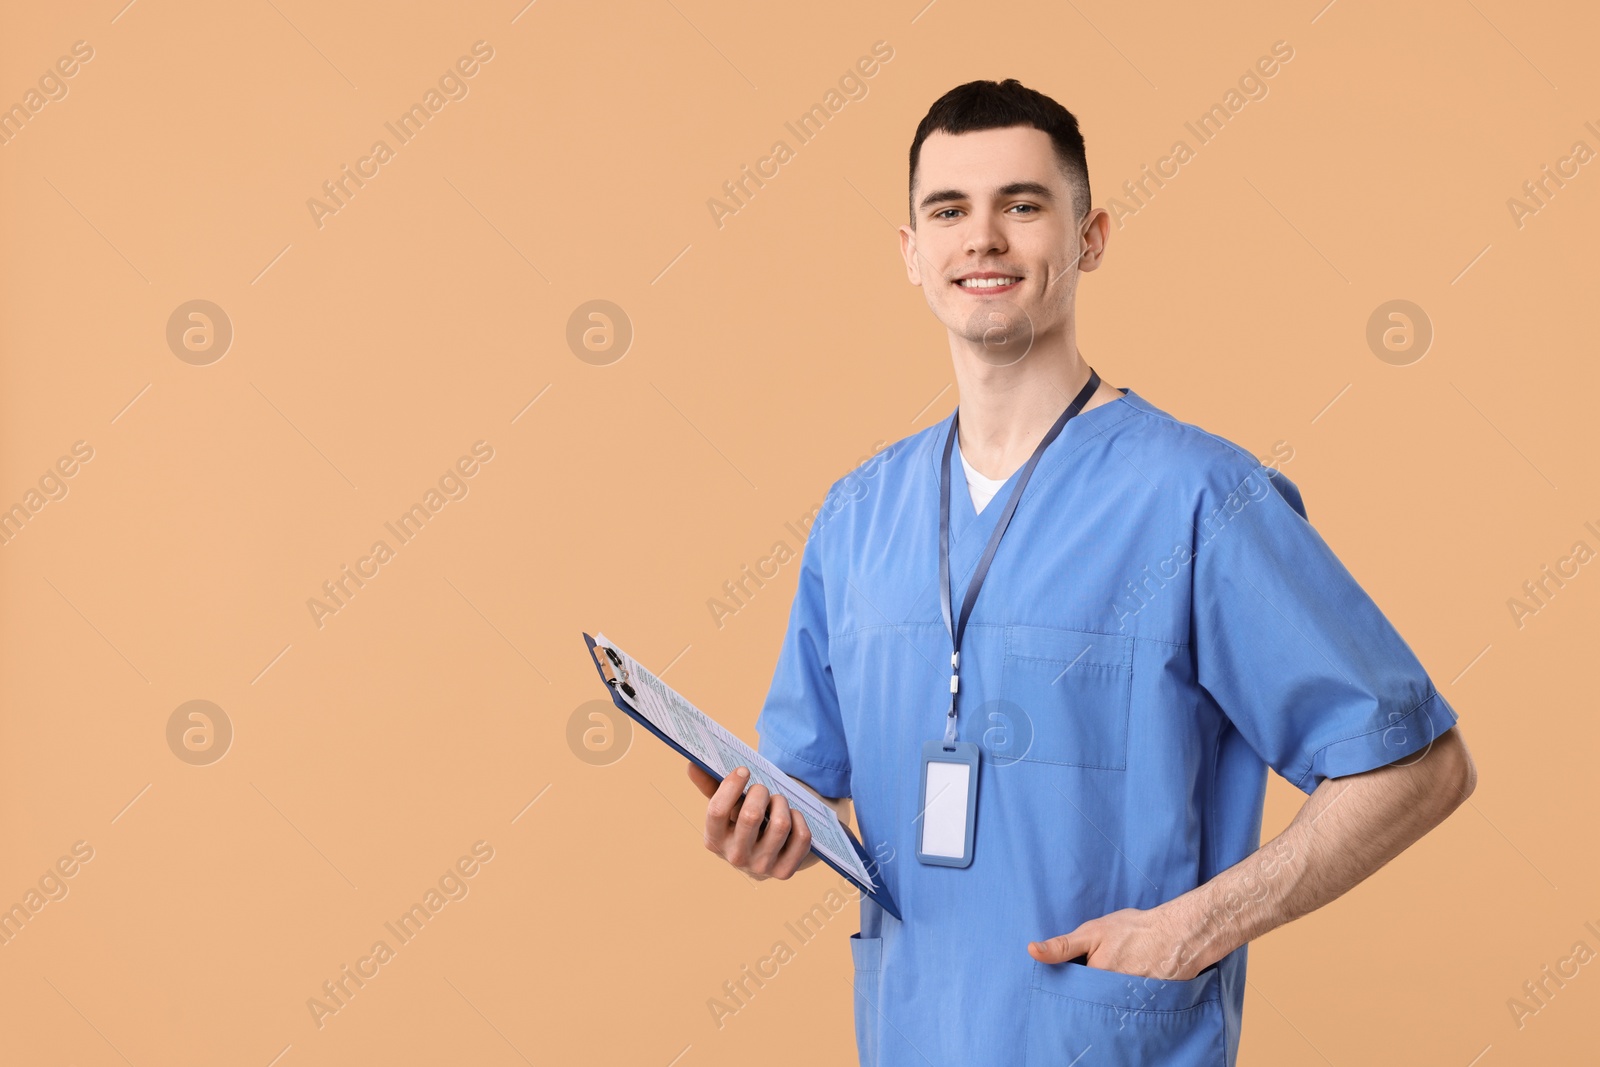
[734, 828]
[1130, 941]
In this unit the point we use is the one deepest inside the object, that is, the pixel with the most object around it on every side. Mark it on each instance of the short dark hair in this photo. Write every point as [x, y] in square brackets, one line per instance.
[989, 105]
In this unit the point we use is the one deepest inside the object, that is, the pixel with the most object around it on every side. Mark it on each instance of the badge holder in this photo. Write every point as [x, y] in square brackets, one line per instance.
[948, 803]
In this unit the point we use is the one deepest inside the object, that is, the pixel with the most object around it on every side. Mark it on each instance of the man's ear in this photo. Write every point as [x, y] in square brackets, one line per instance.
[1095, 234]
[908, 252]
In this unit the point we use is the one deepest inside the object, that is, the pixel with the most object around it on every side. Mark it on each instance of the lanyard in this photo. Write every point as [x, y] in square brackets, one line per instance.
[982, 571]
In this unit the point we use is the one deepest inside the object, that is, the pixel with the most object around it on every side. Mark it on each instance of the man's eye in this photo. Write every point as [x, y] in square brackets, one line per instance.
[1030, 207]
[941, 214]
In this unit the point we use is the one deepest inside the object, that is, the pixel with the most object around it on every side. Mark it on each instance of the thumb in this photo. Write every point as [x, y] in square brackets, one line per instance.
[1062, 948]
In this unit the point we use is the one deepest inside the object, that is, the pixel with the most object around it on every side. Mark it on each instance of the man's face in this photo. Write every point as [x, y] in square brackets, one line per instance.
[995, 203]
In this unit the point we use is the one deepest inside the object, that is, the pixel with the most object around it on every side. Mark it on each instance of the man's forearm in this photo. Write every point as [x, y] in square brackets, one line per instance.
[1347, 829]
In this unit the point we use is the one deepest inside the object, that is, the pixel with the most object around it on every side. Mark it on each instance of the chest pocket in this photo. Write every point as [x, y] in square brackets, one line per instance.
[1074, 688]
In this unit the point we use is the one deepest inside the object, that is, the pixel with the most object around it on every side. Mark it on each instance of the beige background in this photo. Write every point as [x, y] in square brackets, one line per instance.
[768, 356]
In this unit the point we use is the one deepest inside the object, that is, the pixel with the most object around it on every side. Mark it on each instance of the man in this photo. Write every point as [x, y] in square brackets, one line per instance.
[1156, 625]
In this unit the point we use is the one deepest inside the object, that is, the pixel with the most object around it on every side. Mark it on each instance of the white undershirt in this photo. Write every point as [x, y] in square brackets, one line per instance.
[982, 489]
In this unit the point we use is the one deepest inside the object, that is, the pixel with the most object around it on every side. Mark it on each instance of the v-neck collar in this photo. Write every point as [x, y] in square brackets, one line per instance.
[969, 474]
[970, 528]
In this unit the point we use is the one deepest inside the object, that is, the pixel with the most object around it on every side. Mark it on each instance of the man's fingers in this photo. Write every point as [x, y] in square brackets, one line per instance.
[765, 852]
[754, 831]
[741, 843]
[1060, 949]
[794, 849]
[703, 781]
[724, 805]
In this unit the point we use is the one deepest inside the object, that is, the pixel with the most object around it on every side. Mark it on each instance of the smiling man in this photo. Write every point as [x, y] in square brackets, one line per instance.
[1050, 658]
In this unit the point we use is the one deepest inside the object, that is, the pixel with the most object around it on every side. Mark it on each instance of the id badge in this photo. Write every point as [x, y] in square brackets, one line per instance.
[948, 803]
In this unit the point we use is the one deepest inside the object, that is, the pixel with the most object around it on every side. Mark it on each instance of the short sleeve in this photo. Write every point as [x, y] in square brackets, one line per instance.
[799, 727]
[1295, 653]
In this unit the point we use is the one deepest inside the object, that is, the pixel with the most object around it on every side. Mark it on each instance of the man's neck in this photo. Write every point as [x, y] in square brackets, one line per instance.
[1006, 411]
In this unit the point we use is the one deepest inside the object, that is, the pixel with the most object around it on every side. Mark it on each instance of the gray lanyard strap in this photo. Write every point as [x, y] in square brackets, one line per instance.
[982, 571]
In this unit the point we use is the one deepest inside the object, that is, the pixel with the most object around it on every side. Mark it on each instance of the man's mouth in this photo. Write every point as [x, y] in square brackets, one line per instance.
[988, 284]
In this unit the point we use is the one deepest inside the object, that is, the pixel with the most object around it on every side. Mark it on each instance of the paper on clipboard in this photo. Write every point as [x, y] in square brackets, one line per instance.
[717, 748]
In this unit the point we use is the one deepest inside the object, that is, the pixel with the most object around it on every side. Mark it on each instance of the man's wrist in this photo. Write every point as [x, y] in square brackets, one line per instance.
[1235, 907]
[1198, 932]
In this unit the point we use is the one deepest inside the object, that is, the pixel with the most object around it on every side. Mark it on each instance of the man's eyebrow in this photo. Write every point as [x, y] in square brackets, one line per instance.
[945, 196]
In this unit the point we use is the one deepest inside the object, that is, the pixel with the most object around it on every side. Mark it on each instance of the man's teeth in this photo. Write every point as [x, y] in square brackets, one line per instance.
[986, 283]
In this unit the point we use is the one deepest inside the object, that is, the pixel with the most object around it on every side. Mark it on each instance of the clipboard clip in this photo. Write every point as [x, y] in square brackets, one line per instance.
[610, 664]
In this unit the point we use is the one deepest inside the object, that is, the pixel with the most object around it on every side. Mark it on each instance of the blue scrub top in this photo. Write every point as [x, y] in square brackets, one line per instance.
[1160, 624]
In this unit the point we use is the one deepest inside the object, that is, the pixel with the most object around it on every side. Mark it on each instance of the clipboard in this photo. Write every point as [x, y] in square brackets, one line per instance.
[610, 669]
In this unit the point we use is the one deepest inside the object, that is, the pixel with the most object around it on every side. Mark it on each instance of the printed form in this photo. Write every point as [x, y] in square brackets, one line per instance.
[722, 751]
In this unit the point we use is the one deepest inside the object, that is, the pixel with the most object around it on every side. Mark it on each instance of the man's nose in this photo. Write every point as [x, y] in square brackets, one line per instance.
[984, 233]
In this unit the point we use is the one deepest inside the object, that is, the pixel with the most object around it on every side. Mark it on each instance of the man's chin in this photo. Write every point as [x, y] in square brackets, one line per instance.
[1000, 330]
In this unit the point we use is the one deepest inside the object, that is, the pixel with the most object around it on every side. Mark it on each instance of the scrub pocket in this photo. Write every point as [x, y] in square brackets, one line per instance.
[867, 953]
[1122, 1020]
[1075, 688]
